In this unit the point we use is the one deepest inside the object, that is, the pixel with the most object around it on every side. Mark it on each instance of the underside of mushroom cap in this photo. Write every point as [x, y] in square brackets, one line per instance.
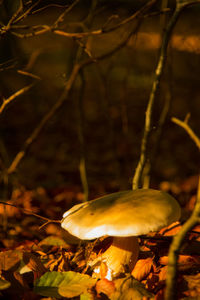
[126, 213]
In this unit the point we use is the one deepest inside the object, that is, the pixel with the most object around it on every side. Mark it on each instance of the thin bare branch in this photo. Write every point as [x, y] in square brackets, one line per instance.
[158, 73]
[25, 73]
[107, 30]
[26, 13]
[13, 96]
[188, 129]
[14, 16]
[171, 283]
[27, 211]
[65, 94]
[45, 28]
[60, 19]
[45, 119]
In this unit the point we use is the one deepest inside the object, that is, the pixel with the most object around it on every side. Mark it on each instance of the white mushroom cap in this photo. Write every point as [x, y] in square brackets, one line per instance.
[127, 213]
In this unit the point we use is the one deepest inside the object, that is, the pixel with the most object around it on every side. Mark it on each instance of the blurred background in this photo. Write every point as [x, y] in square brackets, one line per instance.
[102, 120]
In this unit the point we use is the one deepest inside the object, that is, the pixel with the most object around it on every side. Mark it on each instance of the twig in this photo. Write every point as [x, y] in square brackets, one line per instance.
[25, 73]
[171, 291]
[82, 161]
[45, 28]
[27, 211]
[67, 10]
[187, 128]
[171, 288]
[45, 119]
[159, 70]
[150, 163]
[104, 30]
[13, 96]
[26, 13]
[64, 97]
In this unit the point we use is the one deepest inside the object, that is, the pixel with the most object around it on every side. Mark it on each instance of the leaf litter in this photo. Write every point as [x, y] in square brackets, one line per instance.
[51, 264]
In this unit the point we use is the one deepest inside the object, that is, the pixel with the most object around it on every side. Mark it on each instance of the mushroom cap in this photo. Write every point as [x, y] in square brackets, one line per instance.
[127, 213]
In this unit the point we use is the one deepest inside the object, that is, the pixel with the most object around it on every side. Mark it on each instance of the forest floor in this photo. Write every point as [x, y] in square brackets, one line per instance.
[32, 255]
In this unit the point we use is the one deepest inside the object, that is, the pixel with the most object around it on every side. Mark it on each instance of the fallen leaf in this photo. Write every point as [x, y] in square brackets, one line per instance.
[34, 263]
[87, 296]
[65, 284]
[163, 273]
[4, 284]
[105, 286]
[129, 288]
[193, 282]
[142, 268]
[54, 241]
[171, 230]
[10, 260]
[185, 261]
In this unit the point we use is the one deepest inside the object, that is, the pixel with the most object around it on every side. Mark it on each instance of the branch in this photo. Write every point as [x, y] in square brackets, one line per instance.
[27, 211]
[45, 119]
[64, 96]
[159, 70]
[13, 96]
[171, 291]
[187, 128]
[67, 10]
[171, 285]
[41, 29]
[25, 73]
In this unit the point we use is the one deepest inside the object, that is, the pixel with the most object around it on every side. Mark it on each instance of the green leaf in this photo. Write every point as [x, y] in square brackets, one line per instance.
[54, 241]
[4, 284]
[129, 288]
[65, 284]
[86, 296]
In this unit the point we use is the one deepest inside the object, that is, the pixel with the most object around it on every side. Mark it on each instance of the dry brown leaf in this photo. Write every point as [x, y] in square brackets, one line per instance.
[197, 228]
[163, 260]
[193, 285]
[184, 261]
[172, 229]
[195, 234]
[129, 288]
[105, 286]
[163, 273]
[34, 263]
[142, 268]
[63, 265]
[10, 260]
[21, 280]
[53, 264]
[160, 295]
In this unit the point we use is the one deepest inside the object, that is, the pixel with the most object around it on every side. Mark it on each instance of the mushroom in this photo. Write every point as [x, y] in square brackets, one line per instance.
[124, 216]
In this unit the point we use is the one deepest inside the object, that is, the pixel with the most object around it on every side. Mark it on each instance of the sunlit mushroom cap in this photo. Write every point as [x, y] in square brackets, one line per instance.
[127, 213]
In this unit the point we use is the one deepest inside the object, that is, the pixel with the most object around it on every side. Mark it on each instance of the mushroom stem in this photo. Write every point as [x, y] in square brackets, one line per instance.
[121, 255]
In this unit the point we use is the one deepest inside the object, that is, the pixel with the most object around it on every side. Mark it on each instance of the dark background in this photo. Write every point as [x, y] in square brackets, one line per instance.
[113, 102]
